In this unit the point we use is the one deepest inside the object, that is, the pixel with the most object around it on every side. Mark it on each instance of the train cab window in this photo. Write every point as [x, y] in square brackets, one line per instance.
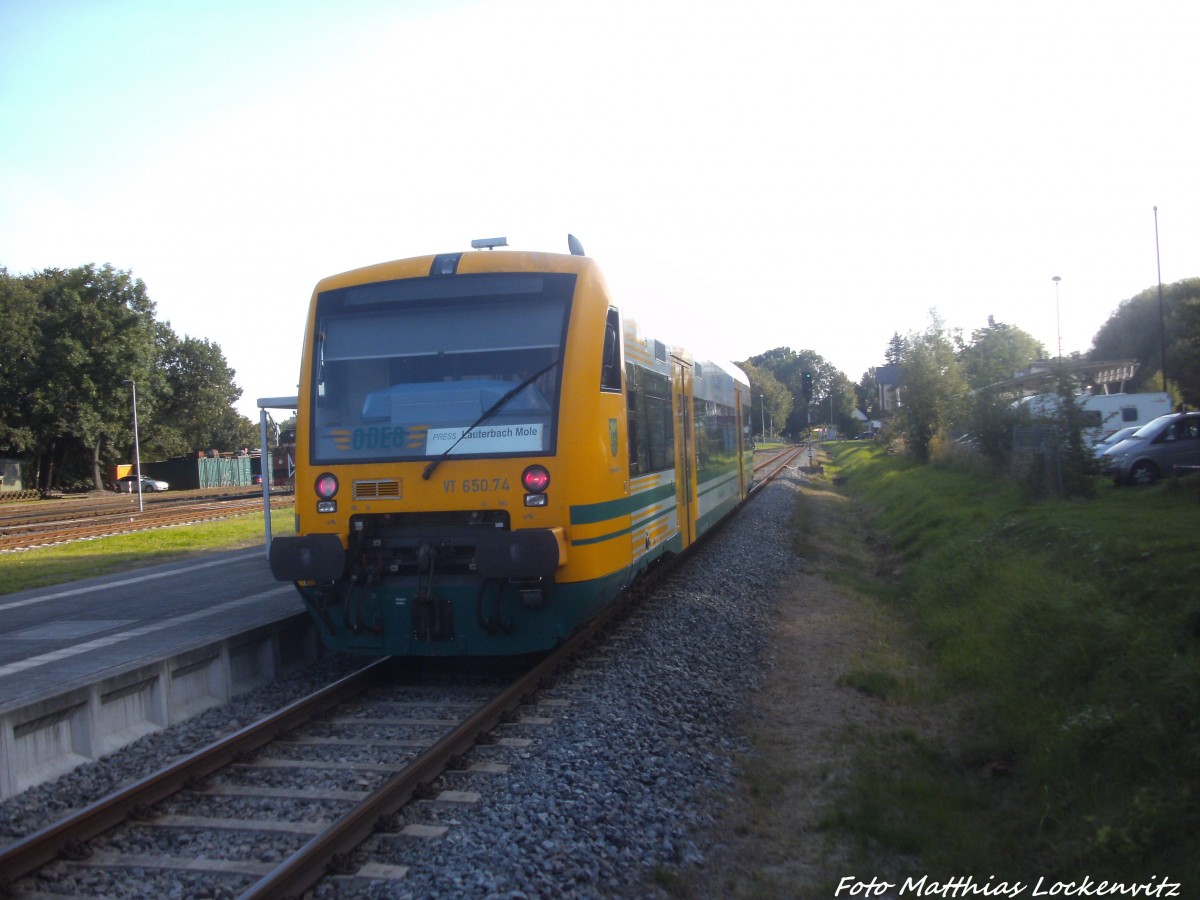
[405, 369]
[610, 365]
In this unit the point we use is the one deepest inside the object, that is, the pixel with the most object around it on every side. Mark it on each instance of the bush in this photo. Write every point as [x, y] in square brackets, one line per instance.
[1076, 629]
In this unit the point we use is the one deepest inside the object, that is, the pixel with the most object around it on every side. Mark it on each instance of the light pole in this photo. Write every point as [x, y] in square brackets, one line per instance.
[1162, 328]
[137, 450]
[1057, 317]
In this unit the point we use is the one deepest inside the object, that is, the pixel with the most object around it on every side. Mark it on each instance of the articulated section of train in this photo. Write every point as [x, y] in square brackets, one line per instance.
[488, 453]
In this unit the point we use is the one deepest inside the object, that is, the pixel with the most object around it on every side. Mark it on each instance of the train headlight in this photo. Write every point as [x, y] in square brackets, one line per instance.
[326, 488]
[535, 480]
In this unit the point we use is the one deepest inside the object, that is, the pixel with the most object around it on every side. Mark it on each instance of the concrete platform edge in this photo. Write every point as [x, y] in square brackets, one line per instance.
[50, 736]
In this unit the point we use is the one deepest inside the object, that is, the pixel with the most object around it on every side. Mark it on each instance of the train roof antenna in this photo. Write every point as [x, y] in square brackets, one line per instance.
[576, 247]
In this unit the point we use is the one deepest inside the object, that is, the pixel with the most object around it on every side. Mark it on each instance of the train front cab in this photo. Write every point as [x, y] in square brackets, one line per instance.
[424, 551]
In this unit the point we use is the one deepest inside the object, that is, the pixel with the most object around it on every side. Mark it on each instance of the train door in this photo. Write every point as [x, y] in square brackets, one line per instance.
[685, 493]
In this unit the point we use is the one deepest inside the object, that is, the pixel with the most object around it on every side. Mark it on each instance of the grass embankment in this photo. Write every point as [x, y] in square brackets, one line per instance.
[1070, 631]
[25, 569]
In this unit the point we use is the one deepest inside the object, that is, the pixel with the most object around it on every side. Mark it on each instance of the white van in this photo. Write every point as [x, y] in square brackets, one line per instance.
[1106, 413]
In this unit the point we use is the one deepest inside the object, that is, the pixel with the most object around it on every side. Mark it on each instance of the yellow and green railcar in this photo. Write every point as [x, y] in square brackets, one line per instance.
[487, 454]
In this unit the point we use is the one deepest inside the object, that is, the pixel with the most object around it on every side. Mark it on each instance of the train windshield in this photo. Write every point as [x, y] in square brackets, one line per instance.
[403, 369]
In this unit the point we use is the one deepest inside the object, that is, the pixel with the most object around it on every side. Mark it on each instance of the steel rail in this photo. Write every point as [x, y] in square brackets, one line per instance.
[311, 862]
[783, 457]
[45, 845]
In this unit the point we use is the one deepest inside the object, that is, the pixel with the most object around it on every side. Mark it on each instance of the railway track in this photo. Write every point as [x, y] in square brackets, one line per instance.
[104, 518]
[775, 464]
[304, 787]
[369, 743]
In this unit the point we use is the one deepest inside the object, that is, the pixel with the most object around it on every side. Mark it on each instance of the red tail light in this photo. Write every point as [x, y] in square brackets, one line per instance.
[535, 479]
[327, 486]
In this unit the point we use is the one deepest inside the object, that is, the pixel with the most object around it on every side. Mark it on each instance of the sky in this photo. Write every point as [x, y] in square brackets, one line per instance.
[749, 175]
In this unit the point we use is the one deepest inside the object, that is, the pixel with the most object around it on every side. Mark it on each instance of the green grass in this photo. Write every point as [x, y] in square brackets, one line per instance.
[26, 569]
[1073, 630]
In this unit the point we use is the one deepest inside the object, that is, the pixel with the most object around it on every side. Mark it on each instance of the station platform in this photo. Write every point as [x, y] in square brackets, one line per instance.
[90, 666]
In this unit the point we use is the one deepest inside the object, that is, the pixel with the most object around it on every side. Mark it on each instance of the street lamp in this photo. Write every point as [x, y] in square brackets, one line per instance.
[1057, 317]
[137, 450]
[1162, 328]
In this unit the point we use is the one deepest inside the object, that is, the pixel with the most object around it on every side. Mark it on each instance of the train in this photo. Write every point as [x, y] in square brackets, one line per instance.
[488, 452]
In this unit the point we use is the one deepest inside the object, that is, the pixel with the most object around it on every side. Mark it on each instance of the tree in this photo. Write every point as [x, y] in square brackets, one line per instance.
[932, 387]
[196, 393]
[1074, 480]
[1135, 331]
[96, 331]
[998, 352]
[895, 350]
[789, 367]
[70, 342]
[771, 402]
[841, 403]
[1184, 352]
[19, 348]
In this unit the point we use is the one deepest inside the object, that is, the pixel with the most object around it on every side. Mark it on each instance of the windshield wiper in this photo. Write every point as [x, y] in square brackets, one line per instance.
[487, 414]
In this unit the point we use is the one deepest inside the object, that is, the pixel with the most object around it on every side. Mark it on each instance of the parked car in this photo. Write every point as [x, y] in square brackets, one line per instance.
[1113, 439]
[1155, 450]
[1096, 462]
[128, 485]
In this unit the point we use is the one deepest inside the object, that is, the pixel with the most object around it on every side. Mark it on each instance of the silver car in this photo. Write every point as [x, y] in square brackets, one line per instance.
[1113, 439]
[1155, 449]
[128, 484]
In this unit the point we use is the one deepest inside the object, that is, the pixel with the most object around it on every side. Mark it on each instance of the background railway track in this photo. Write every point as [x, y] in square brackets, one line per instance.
[72, 520]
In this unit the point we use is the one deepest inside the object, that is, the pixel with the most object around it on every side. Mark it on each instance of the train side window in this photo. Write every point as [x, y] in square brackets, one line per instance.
[610, 365]
[651, 424]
